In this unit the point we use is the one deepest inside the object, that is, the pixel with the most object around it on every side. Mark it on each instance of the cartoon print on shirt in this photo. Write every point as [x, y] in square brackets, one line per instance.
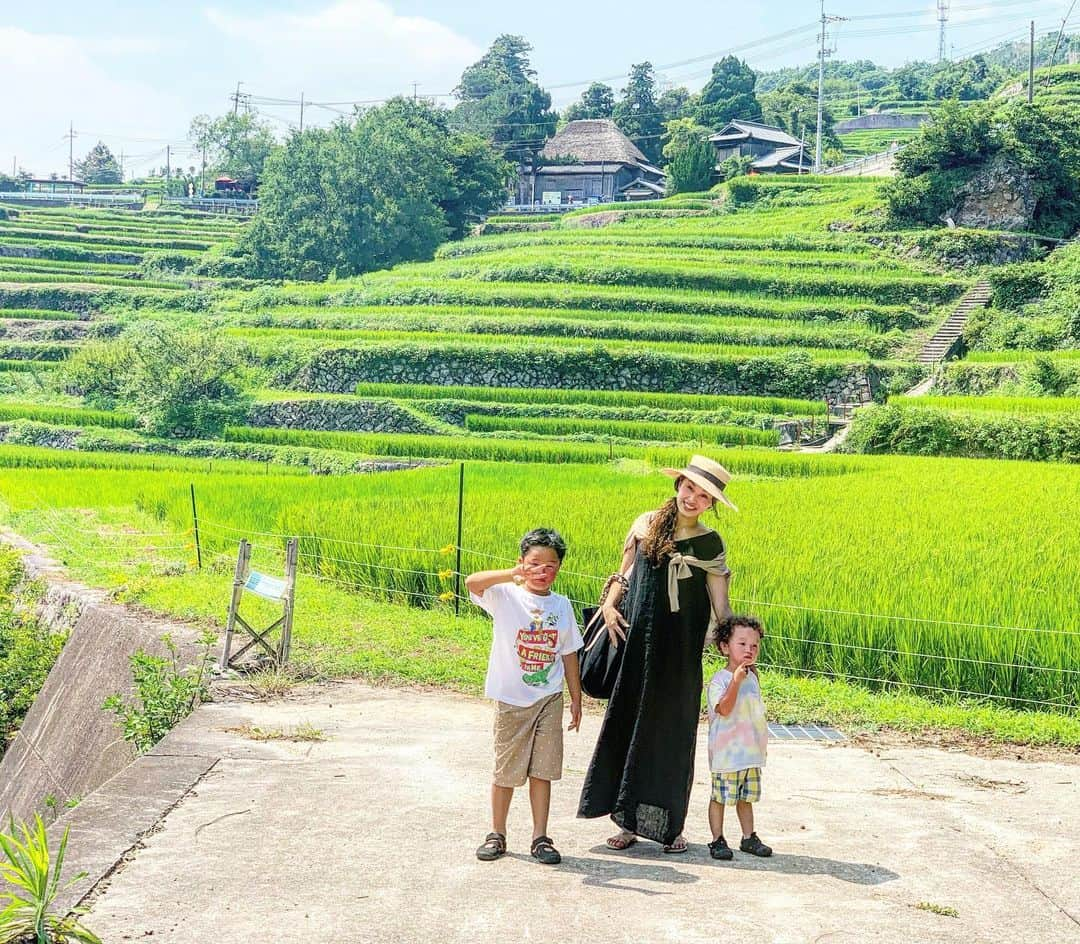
[536, 647]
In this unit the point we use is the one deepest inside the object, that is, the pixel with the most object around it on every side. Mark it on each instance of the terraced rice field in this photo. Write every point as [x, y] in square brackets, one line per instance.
[564, 360]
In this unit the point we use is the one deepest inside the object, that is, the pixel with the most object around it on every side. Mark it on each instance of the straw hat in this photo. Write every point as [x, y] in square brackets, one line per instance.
[706, 474]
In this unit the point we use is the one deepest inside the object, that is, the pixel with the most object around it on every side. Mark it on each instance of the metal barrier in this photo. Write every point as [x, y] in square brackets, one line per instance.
[213, 205]
[85, 199]
[865, 161]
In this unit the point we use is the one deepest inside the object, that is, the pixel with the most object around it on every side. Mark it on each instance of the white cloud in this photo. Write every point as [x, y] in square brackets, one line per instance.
[352, 49]
[55, 79]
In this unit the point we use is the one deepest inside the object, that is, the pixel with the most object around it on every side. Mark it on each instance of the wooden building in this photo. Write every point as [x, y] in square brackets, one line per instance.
[589, 161]
[53, 185]
[774, 150]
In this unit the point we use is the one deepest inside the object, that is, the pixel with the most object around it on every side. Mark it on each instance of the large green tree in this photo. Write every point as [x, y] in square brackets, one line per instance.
[236, 145]
[692, 165]
[597, 101]
[728, 94]
[637, 112]
[385, 188]
[793, 107]
[99, 166]
[500, 100]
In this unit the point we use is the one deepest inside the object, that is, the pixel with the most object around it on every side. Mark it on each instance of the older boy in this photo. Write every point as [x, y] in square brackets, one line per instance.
[534, 647]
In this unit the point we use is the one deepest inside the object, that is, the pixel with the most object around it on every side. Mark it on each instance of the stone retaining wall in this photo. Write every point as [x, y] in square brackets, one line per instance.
[370, 416]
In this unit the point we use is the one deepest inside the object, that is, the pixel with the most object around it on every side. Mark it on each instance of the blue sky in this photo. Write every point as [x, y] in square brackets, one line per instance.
[134, 73]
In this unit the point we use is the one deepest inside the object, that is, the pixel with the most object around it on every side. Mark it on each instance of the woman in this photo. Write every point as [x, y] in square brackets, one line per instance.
[673, 580]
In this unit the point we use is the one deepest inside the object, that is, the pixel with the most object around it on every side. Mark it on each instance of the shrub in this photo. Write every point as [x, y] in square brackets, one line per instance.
[165, 692]
[935, 432]
[1016, 285]
[179, 383]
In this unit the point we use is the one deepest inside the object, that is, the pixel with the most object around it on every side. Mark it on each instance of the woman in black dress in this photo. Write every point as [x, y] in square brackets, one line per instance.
[672, 582]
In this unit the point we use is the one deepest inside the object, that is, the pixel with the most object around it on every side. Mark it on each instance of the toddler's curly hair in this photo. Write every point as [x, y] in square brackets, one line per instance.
[727, 626]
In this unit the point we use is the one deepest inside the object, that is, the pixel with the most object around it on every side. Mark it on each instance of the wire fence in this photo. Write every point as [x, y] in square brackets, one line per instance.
[357, 567]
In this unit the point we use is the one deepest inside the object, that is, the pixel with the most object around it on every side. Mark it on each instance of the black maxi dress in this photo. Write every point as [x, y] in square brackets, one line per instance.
[643, 764]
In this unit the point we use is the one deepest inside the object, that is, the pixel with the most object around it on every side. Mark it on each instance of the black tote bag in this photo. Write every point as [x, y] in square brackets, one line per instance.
[600, 660]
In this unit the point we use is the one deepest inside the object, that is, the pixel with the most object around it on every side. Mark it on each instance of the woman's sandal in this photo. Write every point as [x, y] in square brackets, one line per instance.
[678, 846]
[494, 847]
[543, 851]
[622, 841]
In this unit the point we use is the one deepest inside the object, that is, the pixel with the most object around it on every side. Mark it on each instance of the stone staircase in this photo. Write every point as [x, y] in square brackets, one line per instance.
[941, 345]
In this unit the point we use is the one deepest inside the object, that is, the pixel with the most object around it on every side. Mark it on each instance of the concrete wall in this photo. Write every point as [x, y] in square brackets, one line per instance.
[880, 123]
[68, 746]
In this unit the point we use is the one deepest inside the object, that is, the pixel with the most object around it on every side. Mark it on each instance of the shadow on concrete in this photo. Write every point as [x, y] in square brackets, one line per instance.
[858, 873]
[604, 872]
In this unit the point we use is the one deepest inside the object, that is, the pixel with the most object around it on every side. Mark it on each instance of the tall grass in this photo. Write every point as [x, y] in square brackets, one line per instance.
[830, 560]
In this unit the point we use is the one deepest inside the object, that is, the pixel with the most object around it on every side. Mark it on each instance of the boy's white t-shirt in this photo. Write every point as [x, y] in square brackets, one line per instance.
[531, 635]
[740, 740]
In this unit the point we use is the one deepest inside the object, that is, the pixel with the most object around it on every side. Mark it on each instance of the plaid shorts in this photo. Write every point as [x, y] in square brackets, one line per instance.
[737, 786]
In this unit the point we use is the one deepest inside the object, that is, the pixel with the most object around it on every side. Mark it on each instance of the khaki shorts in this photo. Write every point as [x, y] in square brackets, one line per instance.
[528, 741]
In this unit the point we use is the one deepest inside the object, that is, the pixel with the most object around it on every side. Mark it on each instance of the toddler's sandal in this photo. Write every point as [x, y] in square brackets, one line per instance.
[544, 851]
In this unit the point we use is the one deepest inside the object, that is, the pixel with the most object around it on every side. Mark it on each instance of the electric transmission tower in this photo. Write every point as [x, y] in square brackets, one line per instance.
[943, 19]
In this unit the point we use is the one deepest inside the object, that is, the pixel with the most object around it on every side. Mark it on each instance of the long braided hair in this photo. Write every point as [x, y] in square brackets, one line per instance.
[659, 541]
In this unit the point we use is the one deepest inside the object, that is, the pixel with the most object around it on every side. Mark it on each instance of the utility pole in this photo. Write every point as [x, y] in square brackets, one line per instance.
[202, 174]
[71, 150]
[1031, 66]
[168, 168]
[822, 53]
[943, 18]
[414, 85]
[301, 112]
[236, 98]
[121, 167]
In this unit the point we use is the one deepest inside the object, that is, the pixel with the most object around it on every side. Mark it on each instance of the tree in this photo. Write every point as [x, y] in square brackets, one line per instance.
[597, 101]
[235, 145]
[99, 166]
[638, 113]
[678, 134]
[728, 94]
[499, 100]
[692, 166]
[793, 107]
[178, 382]
[388, 187]
[675, 103]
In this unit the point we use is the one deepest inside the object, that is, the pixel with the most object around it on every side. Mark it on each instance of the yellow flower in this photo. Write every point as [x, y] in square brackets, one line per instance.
[444, 574]
[449, 595]
[449, 549]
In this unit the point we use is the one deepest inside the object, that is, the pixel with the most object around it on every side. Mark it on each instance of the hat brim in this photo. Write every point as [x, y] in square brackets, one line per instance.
[704, 484]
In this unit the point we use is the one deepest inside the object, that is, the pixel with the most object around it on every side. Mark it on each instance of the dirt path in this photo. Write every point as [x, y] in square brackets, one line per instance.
[369, 836]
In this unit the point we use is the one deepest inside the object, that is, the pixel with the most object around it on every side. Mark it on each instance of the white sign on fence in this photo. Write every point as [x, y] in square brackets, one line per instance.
[270, 588]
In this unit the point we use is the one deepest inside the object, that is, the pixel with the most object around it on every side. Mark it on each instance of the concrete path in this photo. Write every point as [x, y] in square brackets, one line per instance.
[369, 837]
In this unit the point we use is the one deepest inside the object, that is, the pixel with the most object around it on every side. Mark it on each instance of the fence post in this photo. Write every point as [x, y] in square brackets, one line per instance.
[195, 518]
[457, 566]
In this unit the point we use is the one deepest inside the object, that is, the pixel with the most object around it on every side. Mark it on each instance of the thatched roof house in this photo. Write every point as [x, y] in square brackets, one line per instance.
[590, 161]
[773, 149]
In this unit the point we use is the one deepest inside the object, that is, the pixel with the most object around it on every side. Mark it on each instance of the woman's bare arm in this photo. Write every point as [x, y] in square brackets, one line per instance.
[718, 594]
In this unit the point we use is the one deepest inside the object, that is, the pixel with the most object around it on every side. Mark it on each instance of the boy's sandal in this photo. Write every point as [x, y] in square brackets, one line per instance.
[678, 846]
[493, 848]
[543, 851]
[621, 841]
